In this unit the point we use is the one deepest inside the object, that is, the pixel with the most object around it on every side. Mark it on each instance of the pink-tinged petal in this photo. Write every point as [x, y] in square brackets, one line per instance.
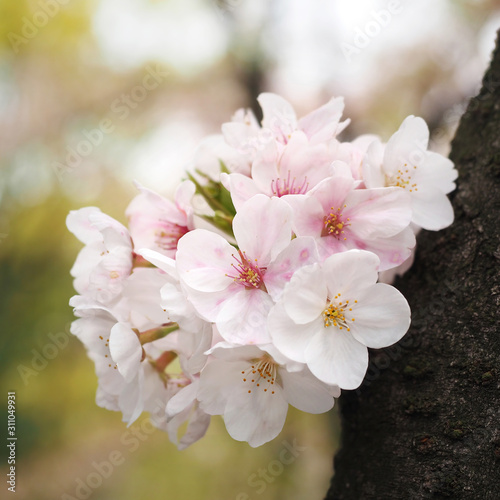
[350, 271]
[257, 417]
[306, 393]
[336, 358]
[373, 175]
[242, 319]
[407, 147]
[332, 192]
[264, 174]
[308, 215]
[263, 228]
[392, 251]
[302, 166]
[436, 172]
[288, 337]
[278, 115]
[204, 261]
[241, 187]
[329, 245]
[390, 275]
[209, 304]
[126, 350]
[382, 316]
[321, 124]
[377, 213]
[79, 224]
[432, 210]
[305, 296]
[301, 252]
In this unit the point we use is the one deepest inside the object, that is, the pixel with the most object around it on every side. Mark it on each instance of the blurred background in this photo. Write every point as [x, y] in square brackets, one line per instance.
[96, 93]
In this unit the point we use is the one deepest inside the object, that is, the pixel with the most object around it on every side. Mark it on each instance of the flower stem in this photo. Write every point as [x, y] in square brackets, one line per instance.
[157, 333]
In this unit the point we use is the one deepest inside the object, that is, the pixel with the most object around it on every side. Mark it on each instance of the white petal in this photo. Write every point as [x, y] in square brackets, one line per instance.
[350, 271]
[336, 358]
[279, 116]
[382, 316]
[290, 338]
[304, 297]
[432, 210]
[257, 417]
[183, 399]
[321, 124]
[438, 172]
[126, 350]
[408, 146]
[306, 392]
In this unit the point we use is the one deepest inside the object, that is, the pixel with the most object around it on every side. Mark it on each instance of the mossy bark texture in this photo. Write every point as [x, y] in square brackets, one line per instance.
[426, 421]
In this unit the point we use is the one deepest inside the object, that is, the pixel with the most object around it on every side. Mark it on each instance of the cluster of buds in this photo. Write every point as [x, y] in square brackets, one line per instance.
[265, 281]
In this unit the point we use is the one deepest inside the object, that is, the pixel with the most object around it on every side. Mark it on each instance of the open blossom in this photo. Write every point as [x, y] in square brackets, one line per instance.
[292, 169]
[427, 176]
[331, 312]
[252, 388]
[105, 262]
[341, 218]
[232, 287]
[157, 223]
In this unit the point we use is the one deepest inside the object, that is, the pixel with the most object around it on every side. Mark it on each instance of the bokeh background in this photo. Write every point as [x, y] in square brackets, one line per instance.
[67, 65]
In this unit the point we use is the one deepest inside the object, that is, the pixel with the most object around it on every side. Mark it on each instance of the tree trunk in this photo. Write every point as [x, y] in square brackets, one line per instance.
[426, 421]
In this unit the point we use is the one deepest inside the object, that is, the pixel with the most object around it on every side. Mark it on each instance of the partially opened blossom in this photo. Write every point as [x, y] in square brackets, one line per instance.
[331, 312]
[252, 388]
[427, 176]
[105, 262]
[340, 218]
[157, 223]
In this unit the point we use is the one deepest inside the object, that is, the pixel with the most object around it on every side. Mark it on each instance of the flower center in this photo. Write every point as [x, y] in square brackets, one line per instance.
[169, 234]
[337, 313]
[248, 273]
[402, 179]
[334, 223]
[261, 375]
[281, 187]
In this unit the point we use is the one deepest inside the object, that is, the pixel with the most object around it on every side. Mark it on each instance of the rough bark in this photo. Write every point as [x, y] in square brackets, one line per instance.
[426, 422]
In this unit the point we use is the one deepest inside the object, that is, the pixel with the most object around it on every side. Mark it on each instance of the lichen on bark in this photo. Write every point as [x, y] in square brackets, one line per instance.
[426, 421]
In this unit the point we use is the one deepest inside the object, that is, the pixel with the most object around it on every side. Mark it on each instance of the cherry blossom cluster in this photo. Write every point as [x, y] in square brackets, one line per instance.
[265, 281]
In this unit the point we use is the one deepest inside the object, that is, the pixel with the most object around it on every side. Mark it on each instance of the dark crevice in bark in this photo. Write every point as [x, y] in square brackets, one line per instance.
[426, 421]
